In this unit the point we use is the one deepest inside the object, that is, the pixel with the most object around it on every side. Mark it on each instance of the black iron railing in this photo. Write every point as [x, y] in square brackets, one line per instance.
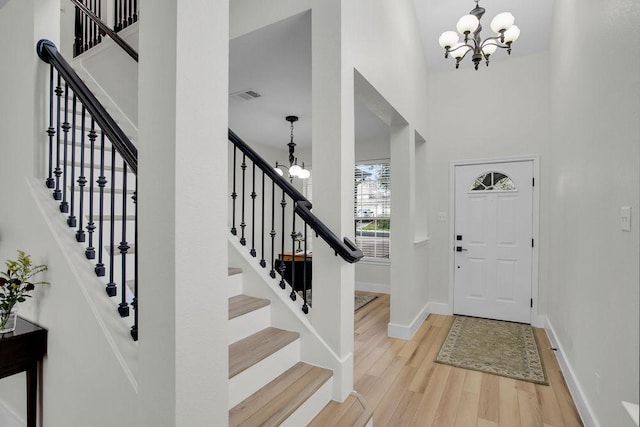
[126, 13]
[90, 28]
[83, 139]
[274, 219]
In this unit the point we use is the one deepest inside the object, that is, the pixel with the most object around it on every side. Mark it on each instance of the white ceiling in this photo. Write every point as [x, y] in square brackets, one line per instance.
[275, 61]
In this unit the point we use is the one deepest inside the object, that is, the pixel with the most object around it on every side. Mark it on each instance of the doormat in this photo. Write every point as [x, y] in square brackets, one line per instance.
[360, 300]
[495, 347]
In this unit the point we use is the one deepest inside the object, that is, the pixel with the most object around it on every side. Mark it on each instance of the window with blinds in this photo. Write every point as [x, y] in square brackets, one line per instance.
[372, 207]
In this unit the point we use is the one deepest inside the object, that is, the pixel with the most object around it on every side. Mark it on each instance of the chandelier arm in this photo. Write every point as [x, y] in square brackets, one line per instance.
[471, 48]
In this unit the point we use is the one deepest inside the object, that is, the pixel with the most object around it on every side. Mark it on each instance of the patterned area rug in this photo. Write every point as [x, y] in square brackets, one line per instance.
[362, 299]
[502, 348]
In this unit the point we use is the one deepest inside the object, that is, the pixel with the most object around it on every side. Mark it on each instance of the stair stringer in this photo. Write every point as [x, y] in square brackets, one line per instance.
[287, 314]
[104, 309]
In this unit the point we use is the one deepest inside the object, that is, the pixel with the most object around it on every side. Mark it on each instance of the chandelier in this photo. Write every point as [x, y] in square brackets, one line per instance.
[469, 26]
[293, 170]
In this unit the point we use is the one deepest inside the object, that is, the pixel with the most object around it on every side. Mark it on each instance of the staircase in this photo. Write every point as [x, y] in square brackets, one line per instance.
[268, 383]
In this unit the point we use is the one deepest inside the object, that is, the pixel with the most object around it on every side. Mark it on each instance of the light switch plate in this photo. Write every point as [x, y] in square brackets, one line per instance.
[625, 218]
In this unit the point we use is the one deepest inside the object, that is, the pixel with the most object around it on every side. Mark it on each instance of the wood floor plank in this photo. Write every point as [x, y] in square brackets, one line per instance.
[406, 409]
[432, 396]
[467, 414]
[509, 409]
[448, 408]
[530, 413]
[489, 395]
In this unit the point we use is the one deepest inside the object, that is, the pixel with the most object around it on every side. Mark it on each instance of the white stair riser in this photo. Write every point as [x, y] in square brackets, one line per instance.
[309, 409]
[249, 324]
[251, 380]
[234, 285]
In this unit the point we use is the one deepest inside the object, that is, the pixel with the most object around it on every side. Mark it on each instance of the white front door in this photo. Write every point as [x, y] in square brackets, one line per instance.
[493, 240]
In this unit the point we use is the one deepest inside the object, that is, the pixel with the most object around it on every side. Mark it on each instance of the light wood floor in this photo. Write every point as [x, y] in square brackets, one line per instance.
[405, 387]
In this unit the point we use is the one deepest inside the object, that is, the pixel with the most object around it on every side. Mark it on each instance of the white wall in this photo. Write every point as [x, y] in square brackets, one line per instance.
[506, 115]
[595, 153]
[81, 365]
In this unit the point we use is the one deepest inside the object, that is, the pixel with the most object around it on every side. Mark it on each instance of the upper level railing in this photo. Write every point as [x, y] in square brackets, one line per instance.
[92, 167]
[90, 28]
[287, 241]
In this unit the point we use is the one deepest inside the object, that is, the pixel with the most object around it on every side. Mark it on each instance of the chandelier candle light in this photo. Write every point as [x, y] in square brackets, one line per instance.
[469, 26]
[293, 169]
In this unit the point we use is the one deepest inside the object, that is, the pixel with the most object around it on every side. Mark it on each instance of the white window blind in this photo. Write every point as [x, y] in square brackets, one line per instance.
[372, 207]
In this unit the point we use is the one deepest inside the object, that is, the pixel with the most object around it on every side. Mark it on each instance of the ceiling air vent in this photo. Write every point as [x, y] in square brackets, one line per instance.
[246, 94]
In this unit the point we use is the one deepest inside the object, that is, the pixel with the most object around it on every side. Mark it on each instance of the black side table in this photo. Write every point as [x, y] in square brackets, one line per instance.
[22, 350]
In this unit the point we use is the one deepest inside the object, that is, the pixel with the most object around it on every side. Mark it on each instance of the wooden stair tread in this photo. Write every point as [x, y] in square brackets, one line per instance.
[254, 348]
[243, 304]
[277, 400]
[234, 270]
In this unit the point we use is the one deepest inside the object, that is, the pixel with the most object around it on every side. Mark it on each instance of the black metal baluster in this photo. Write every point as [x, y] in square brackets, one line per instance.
[282, 267]
[71, 220]
[135, 10]
[111, 288]
[64, 205]
[102, 181]
[263, 263]
[118, 25]
[134, 303]
[90, 252]
[253, 212]
[130, 14]
[99, 13]
[51, 131]
[234, 195]
[292, 295]
[123, 307]
[82, 180]
[85, 25]
[57, 194]
[243, 224]
[305, 307]
[78, 41]
[272, 233]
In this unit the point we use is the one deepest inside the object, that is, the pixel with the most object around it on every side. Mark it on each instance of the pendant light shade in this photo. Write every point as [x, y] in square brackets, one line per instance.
[448, 39]
[502, 22]
[467, 24]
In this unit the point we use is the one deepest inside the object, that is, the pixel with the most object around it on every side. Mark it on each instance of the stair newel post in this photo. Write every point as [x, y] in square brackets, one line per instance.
[253, 212]
[281, 266]
[82, 180]
[51, 132]
[57, 194]
[234, 195]
[292, 295]
[134, 303]
[78, 42]
[64, 205]
[102, 181]
[272, 233]
[111, 288]
[243, 224]
[123, 307]
[90, 252]
[263, 263]
[71, 220]
[305, 307]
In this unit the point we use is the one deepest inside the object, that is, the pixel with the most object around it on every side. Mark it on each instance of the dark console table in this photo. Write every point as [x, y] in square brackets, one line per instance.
[22, 350]
[298, 258]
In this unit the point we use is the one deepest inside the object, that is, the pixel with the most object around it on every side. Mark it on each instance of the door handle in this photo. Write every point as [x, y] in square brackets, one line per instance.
[460, 249]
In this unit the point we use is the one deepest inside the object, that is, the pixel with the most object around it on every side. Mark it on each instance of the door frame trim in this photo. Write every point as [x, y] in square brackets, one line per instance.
[536, 319]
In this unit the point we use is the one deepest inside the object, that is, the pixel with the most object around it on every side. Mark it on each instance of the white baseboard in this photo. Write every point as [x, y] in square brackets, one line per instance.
[8, 418]
[373, 287]
[440, 308]
[406, 332]
[579, 398]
